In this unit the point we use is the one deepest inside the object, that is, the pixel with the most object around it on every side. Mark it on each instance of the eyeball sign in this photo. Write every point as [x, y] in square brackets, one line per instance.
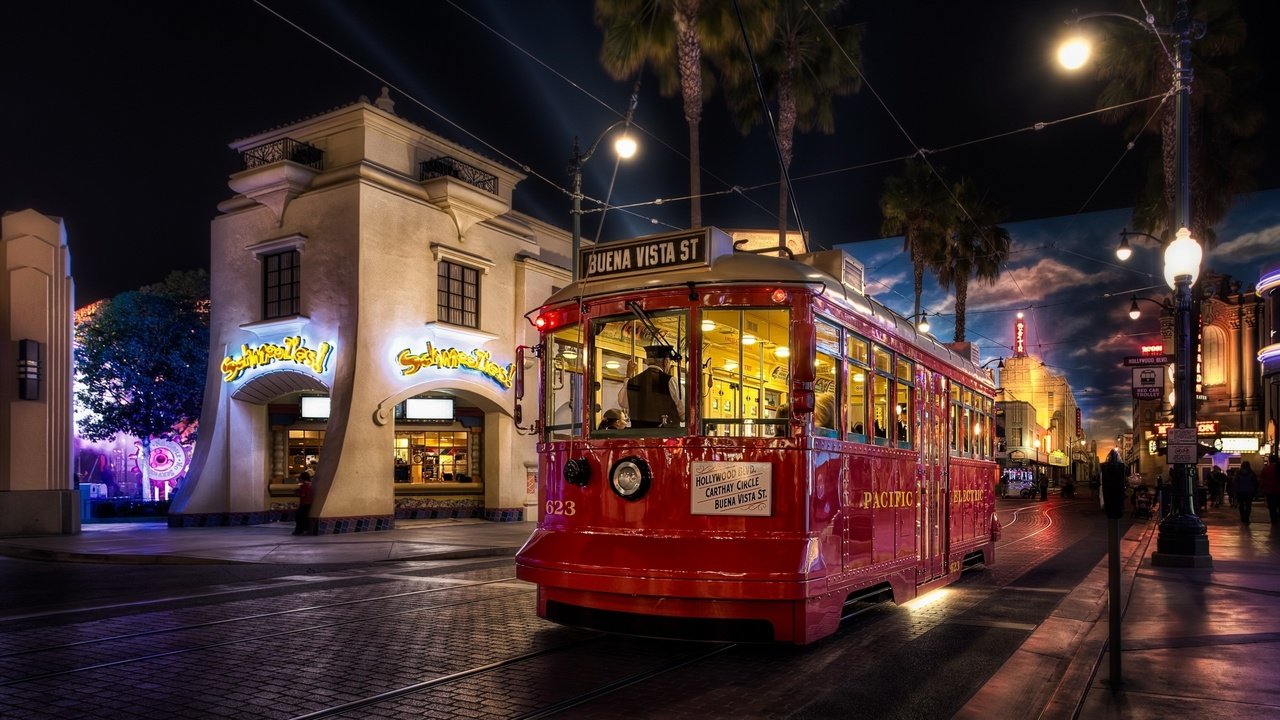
[168, 459]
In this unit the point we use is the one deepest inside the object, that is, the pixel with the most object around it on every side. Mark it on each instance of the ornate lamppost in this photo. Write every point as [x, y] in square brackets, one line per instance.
[1182, 541]
[625, 146]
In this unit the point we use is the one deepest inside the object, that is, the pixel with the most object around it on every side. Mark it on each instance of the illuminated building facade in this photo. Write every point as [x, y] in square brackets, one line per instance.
[37, 486]
[1043, 424]
[368, 280]
[1269, 352]
[1231, 425]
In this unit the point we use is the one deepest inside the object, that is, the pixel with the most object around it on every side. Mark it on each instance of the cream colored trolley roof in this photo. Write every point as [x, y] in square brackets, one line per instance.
[724, 266]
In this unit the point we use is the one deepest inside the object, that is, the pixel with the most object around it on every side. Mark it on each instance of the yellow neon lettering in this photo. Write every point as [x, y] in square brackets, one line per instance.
[292, 350]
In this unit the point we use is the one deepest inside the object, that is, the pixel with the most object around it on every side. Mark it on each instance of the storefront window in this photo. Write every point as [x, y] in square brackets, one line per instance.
[304, 451]
[434, 456]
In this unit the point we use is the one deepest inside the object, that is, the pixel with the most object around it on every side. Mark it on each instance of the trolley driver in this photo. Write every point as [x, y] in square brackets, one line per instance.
[652, 397]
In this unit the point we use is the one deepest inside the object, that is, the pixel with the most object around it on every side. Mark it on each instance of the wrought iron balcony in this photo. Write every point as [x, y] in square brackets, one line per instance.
[445, 166]
[284, 149]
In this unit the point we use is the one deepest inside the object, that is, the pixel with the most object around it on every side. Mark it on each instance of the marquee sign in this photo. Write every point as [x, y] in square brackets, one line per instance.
[673, 251]
[476, 360]
[292, 350]
[1020, 337]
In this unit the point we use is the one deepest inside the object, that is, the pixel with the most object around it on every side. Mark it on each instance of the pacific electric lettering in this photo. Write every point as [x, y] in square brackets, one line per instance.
[905, 498]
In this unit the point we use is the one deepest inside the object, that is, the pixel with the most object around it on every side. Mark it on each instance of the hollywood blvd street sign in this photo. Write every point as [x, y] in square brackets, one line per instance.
[1147, 360]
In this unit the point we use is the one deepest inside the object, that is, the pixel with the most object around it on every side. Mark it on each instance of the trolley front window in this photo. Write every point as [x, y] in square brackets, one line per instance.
[562, 386]
[745, 372]
[639, 369]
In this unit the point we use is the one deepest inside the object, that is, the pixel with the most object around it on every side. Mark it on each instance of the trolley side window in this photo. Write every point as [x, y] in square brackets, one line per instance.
[745, 371]
[858, 366]
[827, 408]
[881, 394]
[639, 374]
[905, 405]
[562, 386]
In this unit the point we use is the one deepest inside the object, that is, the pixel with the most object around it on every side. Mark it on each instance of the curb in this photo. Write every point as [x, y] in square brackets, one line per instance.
[1048, 677]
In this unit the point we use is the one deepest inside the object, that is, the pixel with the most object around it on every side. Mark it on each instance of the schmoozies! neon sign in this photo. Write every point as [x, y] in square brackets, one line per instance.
[453, 358]
[292, 350]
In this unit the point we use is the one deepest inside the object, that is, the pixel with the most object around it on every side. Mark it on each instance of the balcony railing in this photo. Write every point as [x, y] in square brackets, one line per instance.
[445, 166]
[285, 149]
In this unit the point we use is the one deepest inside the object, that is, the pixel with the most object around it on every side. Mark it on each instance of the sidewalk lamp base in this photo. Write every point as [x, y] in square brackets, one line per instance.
[1182, 543]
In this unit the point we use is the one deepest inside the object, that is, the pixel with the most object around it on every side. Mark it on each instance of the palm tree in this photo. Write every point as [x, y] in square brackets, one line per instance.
[1225, 116]
[916, 204]
[975, 248]
[669, 36]
[802, 70]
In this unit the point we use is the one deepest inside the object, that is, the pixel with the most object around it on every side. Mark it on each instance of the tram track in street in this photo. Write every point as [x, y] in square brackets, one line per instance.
[443, 683]
[250, 639]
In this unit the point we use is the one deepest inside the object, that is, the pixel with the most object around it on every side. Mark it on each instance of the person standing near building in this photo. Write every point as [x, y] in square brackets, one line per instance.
[305, 495]
[1246, 488]
[651, 398]
[1269, 484]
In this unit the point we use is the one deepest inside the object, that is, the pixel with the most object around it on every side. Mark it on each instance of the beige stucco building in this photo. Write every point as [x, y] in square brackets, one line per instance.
[368, 284]
[37, 489]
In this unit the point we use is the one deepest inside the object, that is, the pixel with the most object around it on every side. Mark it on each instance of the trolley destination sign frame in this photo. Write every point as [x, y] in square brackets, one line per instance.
[670, 251]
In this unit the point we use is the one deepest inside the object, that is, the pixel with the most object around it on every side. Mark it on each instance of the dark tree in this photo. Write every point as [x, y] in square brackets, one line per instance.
[141, 359]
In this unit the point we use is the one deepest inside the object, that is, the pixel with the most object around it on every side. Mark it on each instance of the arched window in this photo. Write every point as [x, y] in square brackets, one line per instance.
[1215, 355]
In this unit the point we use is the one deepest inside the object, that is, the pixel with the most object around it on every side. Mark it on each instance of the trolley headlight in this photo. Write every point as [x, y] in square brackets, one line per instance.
[630, 478]
[577, 471]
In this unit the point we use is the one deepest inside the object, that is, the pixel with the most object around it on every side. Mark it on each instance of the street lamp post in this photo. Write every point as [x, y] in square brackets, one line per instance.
[1182, 541]
[625, 146]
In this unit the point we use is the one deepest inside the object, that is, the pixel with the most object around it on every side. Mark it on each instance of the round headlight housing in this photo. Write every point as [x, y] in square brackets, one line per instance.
[630, 478]
[577, 471]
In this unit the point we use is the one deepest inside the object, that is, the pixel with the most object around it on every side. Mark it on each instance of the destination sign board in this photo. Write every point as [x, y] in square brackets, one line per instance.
[1141, 360]
[656, 253]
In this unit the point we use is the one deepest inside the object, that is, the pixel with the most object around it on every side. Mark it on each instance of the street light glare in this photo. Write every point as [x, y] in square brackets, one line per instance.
[1073, 53]
[625, 146]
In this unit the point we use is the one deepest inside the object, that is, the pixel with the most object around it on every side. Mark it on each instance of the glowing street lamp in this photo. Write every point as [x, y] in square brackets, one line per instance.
[625, 146]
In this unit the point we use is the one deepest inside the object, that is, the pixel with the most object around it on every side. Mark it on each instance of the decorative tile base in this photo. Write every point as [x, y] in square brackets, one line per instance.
[434, 513]
[261, 517]
[342, 526]
[504, 514]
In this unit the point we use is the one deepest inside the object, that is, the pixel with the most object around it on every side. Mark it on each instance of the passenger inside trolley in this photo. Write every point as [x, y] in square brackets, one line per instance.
[652, 396]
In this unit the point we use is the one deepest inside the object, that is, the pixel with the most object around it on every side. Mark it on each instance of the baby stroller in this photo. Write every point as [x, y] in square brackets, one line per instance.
[1142, 502]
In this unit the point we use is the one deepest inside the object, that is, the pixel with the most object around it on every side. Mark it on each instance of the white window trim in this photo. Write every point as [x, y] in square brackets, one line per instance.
[296, 241]
[443, 252]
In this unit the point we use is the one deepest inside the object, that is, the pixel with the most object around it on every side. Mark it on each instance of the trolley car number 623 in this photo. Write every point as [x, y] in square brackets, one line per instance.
[560, 507]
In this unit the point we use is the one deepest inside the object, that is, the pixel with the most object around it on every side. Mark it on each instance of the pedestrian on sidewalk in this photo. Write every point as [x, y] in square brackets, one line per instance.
[302, 525]
[1217, 484]
[1231, 486]
[1246, 488]
[1269, 484]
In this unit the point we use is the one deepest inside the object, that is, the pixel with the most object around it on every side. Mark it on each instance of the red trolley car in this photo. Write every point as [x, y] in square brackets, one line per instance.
[802, 446]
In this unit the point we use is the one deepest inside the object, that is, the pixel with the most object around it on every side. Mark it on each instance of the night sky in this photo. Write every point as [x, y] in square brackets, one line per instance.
[117, 116]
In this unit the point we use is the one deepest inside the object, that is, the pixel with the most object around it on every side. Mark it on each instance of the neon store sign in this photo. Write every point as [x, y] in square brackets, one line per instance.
[1020, 337]
[454, 359]
[293, 350]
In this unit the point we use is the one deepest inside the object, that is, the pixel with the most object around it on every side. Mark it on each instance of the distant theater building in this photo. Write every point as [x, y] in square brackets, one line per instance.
[368, 285]
[1042, 422]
